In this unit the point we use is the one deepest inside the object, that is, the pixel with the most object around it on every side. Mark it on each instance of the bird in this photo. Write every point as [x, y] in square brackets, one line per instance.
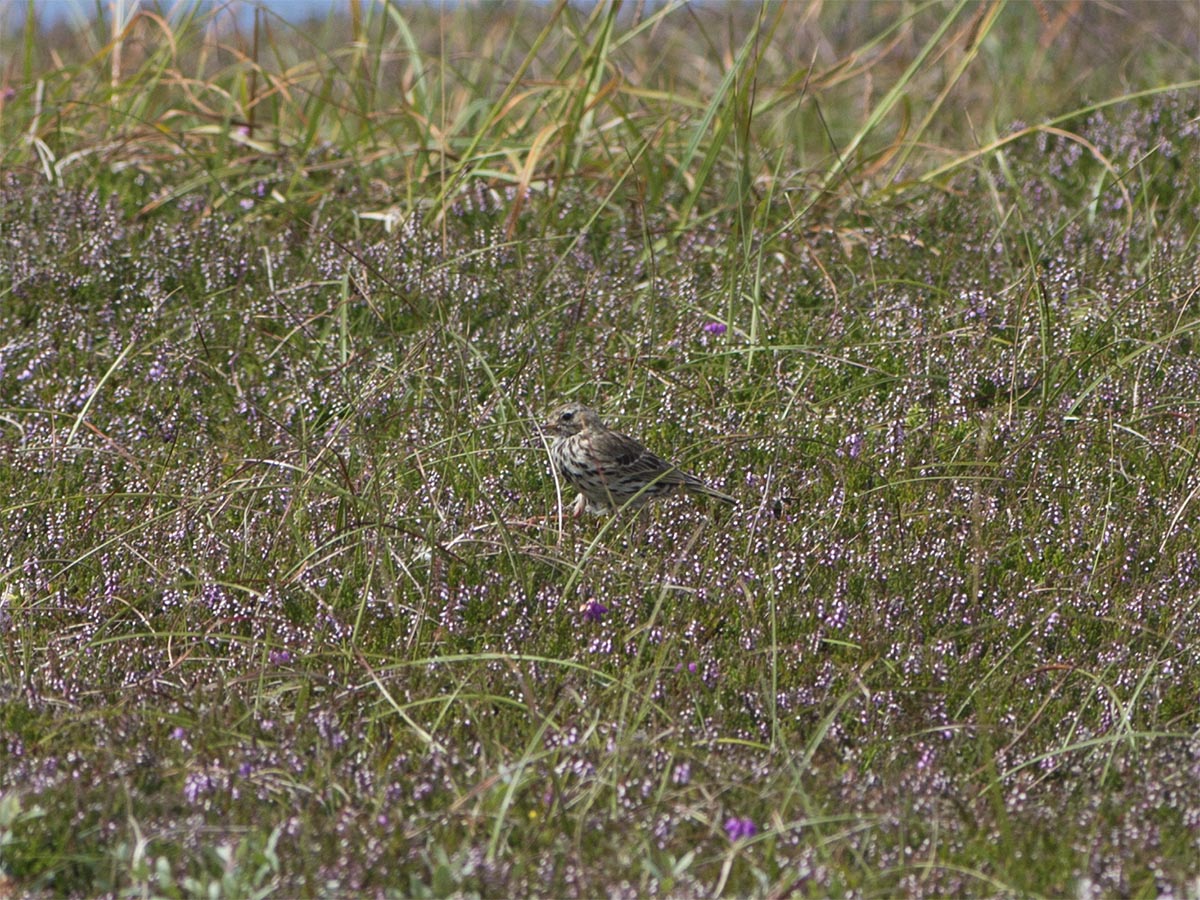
[611, 470]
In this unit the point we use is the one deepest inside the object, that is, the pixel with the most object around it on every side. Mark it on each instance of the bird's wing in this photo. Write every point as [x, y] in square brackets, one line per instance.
[632, 459]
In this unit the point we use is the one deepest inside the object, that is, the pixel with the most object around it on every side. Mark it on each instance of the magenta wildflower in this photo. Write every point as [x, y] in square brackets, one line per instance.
[740, 828]
[594, 611]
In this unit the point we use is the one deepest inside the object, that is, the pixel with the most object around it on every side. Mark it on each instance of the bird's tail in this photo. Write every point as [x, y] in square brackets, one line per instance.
[696, 486]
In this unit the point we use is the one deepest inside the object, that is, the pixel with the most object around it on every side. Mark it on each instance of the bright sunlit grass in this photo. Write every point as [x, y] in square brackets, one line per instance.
[289, 605]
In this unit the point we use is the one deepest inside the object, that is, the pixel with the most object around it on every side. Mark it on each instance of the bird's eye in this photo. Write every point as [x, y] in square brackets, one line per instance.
[568, 416]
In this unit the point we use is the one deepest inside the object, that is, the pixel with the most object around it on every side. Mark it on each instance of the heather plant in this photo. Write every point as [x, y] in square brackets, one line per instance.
[292, 603]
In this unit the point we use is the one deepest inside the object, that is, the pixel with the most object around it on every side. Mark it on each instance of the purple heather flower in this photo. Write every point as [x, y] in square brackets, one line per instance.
[737, 829]
[197, 786]
[594, 611]
[715, 328]
[179, 733]
[852, 446]
[279, 657]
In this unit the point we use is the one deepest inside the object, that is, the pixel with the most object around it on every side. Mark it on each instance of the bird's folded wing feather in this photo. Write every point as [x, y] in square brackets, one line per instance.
[630, 458]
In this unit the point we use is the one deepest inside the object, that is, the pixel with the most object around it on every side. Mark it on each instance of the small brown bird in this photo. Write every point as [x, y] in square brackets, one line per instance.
[610, 469]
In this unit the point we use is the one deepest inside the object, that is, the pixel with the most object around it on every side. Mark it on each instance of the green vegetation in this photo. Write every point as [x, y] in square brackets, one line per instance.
[291, 604]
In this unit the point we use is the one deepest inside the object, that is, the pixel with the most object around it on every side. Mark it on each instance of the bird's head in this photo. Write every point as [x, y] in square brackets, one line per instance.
[572, 418]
